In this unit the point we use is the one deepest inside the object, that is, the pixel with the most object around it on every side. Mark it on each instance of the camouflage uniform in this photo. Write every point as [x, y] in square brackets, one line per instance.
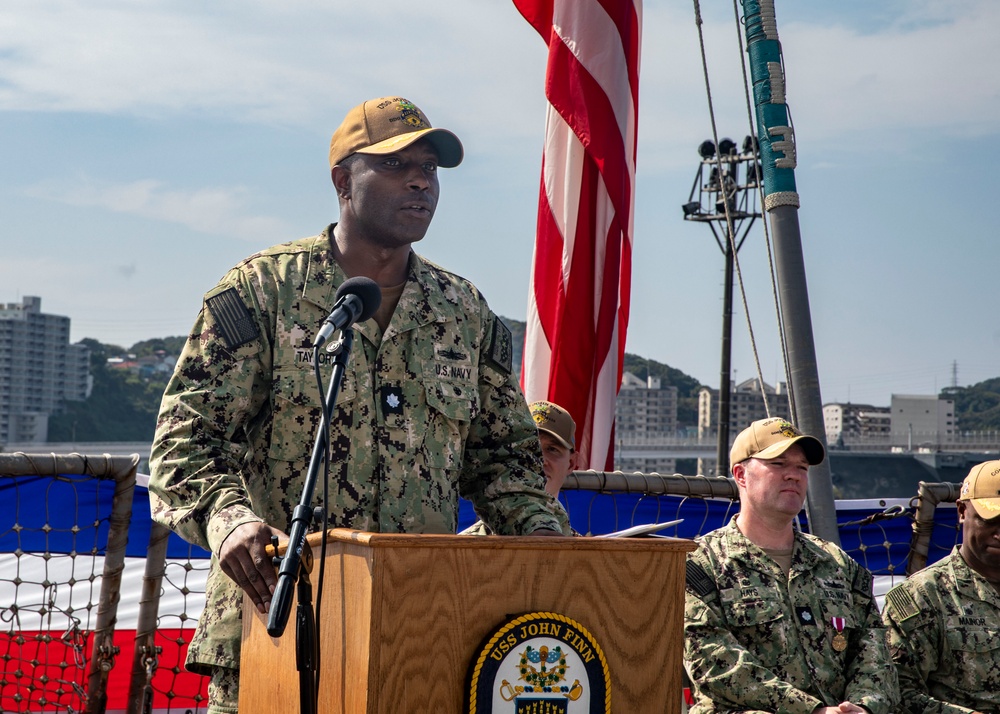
[427, 412]
[756, 639]
[944, 635]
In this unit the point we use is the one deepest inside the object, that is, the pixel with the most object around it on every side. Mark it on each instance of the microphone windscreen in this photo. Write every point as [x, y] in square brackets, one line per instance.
[366, 290]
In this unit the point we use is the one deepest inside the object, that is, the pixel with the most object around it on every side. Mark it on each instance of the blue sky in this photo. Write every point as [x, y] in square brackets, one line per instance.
[148, 146]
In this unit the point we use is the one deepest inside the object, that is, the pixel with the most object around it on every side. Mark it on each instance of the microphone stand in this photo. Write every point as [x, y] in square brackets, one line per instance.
[298, 558]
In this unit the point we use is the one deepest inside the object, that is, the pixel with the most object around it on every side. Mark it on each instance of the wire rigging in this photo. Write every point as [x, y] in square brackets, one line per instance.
[731, 233]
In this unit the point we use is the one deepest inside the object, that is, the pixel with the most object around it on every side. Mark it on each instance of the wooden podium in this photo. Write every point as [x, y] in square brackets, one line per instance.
[403, 616]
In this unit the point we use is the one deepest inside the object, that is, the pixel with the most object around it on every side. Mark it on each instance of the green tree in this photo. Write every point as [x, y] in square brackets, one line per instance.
[977, 407]
[122, 406]
[170, 345]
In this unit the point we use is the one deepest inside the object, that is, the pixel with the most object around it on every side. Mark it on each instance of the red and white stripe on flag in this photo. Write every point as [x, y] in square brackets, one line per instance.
[578, 303]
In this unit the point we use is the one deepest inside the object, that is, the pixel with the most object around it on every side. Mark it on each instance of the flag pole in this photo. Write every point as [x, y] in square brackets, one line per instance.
[781, 201]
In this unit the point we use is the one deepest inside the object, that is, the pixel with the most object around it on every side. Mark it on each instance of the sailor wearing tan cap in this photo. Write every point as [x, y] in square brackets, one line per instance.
[429, 409]
[777, 620]
[944, 621]
[557, 434]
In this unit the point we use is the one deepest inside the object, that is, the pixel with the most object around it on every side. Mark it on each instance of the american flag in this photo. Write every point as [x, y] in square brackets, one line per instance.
[578, 304]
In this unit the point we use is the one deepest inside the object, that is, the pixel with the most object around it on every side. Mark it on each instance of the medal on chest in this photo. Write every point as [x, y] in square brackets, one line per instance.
[839, 641]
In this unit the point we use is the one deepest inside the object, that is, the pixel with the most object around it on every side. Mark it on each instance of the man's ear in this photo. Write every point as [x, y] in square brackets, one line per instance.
[341, 177]
[740, 474]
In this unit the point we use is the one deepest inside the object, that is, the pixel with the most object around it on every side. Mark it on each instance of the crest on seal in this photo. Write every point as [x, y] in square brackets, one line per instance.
[540, 662]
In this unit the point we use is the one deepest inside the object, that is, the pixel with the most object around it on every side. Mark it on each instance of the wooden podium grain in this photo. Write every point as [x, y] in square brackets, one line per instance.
[404, 615]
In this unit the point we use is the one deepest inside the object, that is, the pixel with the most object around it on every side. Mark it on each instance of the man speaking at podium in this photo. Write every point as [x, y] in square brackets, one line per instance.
[429, 408]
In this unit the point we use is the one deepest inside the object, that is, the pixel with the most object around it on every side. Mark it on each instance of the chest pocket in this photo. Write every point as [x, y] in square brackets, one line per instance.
[296, 412]
[840, 608]
[974, 649]
[452, 407]
[974, 639]
[759, 624]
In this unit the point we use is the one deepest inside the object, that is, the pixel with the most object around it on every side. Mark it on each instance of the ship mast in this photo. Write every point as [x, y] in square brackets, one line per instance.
[781, 201]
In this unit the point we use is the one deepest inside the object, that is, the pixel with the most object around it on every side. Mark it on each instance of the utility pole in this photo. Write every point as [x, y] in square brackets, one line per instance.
[781, 201]
[725, 193]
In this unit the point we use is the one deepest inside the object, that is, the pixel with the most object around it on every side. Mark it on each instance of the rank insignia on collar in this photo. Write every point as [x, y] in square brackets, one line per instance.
[391, 398]
[805, 615]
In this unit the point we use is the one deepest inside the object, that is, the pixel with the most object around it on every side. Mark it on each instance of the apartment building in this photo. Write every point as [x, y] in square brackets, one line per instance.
[746, 405]
[39, 370]
[847, 422]
[645, 413]
[921, 421]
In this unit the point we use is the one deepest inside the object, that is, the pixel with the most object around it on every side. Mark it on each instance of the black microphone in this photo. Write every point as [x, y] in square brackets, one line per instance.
[357, 300]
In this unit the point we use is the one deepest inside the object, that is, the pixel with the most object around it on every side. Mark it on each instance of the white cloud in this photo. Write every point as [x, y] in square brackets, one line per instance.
[924, 72]
[215, 211]
[479, 64]
[266, 61]
[928, 70]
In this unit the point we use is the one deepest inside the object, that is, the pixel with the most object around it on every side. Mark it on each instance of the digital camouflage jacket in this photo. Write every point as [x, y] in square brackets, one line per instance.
[427, 412]
[944, 635]
[758, 640]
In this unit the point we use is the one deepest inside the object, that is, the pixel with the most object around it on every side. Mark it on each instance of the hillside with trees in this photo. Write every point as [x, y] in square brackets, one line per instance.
[123, 404]
[641, 367]
[977, 407]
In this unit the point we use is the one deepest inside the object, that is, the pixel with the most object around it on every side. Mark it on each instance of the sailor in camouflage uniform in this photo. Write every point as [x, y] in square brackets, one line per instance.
[428, 411]
[557, 432]
[776, 620]
[944, 621]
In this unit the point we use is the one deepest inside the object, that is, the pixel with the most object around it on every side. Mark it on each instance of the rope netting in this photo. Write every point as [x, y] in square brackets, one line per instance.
[65, 523]
[90, 624]
[50, 597]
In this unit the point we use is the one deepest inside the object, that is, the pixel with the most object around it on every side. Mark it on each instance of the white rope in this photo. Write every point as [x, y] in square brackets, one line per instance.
[729, 221]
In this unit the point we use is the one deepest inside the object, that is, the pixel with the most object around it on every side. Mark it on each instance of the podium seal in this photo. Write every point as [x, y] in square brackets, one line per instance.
[540, 663]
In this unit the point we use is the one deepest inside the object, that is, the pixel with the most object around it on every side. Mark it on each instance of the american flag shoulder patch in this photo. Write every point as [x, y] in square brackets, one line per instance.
[903, 603]
[233, 317]
[698, 580]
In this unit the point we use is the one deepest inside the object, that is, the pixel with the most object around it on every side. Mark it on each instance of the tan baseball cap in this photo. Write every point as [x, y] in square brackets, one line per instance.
[553, 419]
[387, 124]
[770, 438]
[981, 488]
